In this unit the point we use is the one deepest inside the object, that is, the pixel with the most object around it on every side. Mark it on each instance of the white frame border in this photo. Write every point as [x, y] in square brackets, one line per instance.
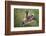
[27, 28]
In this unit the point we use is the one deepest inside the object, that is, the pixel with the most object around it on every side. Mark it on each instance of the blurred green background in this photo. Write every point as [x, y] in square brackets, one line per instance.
[19, 15]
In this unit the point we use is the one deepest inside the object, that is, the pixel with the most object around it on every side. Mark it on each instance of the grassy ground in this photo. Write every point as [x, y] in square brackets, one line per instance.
[19, 15]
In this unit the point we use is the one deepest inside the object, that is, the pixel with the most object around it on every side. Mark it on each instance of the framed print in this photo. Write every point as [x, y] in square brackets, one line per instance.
[24, 17]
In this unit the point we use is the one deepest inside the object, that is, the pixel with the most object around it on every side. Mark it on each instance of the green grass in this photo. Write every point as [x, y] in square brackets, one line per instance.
[19, 15]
